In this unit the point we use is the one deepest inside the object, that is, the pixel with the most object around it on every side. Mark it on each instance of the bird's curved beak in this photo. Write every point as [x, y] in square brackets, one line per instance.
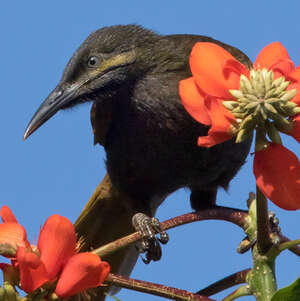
[58, 98]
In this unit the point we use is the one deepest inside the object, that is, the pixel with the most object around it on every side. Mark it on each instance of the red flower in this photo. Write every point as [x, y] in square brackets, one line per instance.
[214, 72]
[32, 270]
[269, 168]
[7, 216]
[55, 259]
[81, 270]
[222, 121]
[294, 76]
[56, 244]
[295, 132]
[12, 234]
[275, 57]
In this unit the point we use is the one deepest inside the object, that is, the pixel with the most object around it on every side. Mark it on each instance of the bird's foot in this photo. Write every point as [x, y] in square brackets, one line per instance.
[150, 245]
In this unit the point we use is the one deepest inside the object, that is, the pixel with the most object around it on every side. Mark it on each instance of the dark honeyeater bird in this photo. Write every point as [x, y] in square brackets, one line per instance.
[132, 75]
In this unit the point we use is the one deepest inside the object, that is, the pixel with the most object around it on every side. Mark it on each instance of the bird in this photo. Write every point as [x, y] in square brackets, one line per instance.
[132, 74]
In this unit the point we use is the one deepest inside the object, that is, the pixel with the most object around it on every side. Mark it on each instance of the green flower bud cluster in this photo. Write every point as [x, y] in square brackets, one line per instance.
[262, 103]
[8, 292]
[7, 249]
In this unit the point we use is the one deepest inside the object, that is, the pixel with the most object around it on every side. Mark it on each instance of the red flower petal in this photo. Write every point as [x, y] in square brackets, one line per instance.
[14, 235]
[82, 271]
[274, 56]
[32, 271]
[222, 121]
[283, 68]
[215, 69]
[4, 266]
[295, 133]
[7, 215]
[277, 172]
[294, 75]
[193, 101]
[296, 98]
[57, 243]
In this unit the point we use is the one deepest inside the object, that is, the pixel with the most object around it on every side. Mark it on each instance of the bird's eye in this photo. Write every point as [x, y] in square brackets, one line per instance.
[93, 62]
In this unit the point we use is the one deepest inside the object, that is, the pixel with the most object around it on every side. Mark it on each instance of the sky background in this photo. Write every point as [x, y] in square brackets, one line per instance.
[57, 169]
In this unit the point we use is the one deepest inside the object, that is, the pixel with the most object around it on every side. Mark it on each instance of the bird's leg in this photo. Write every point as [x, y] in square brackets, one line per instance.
[206, 199]
[203, 199]
[150, 245]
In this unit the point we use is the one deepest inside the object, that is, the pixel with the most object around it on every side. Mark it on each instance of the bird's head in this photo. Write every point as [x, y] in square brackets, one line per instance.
[109, 58]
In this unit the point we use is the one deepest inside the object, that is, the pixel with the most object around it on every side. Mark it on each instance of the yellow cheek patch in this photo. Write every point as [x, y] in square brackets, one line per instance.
[119, 60]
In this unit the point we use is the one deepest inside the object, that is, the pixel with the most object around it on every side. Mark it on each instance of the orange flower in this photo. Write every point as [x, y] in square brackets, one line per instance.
[81, 270]
[55, 257]
[193, 100]
[220, 130]
[215, 70]
[214, 73]
[275, 57]
[294, 76]
[277, 172]
[32, 270]
[12, 234]
[7, 216]
[56, 244]
[295, 132]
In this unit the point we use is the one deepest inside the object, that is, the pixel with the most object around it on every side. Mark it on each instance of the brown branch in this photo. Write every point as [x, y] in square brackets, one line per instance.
[154, 289]
[225, 283]
[234, 216]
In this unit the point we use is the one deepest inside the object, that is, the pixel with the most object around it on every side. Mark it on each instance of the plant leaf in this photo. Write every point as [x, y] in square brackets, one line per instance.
[288, 293]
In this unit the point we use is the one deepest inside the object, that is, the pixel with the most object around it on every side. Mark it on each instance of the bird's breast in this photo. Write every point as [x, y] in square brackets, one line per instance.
[152, 146]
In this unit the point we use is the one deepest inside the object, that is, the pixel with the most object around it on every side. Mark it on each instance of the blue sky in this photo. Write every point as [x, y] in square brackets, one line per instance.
[57, 169]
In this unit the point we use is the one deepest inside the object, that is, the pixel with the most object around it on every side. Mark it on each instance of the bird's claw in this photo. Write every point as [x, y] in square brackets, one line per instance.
[150, 245]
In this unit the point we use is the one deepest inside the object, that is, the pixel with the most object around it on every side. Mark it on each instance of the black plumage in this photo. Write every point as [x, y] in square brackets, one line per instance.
[132, 76]
[150, 141]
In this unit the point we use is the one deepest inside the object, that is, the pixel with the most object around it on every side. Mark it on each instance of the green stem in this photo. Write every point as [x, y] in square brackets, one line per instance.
[277, 249]
[294, 249]
[288, 245]
[240, 292]
[261, 278]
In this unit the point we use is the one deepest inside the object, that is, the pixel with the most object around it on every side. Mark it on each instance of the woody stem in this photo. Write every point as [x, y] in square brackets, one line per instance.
[154, 289]
[263, 224]
[234, 216]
